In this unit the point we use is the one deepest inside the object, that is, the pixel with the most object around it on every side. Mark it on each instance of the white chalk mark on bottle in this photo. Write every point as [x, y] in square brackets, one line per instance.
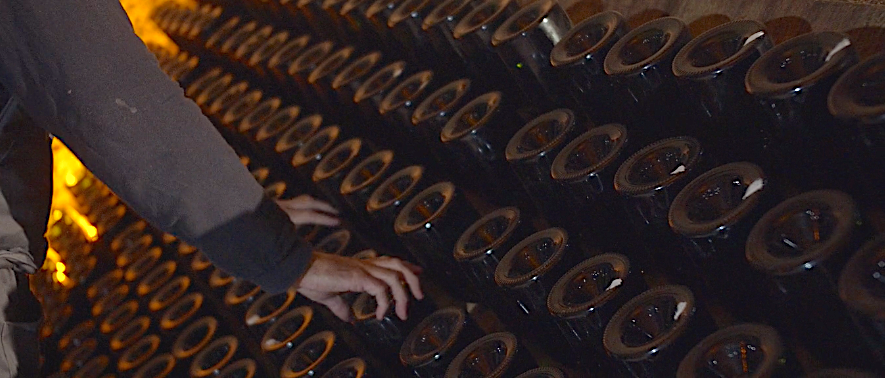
[679, 169]
[754, 187]
[754, 37]
[615, 283]
[839, 47]
[680, 308]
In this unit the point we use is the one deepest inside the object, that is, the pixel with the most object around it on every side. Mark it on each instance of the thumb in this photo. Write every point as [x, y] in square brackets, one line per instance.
[338, 306]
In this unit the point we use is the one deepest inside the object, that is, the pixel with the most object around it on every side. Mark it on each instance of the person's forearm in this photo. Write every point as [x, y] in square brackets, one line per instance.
[79, 68]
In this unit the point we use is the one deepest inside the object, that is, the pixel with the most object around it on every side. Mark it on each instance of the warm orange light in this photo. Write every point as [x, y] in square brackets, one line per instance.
[140, 12]
[68, 170]
[88, 229]
[70, 179]
[52, 255]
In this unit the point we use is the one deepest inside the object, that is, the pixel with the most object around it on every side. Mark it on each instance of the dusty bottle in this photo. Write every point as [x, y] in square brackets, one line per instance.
[316, 355]
[248, 46]
[585, 299]
[388, 334]
[648, 182]
[279, 62]
[195, 337]
[531, 151]
[524, 42]
[640, 65]
[434, 342]
[739, 351]
[372, 91]
[714, 214]
[391, 195]
[299, 72]
[482, 246]
[856, 100]
[653, 332]
[527, 273]
[257, 61]
[291, 138]
[265, 137]
[432, 114]
[345, 85]
[791, 83]
[801, 246]
[288, 332]
[351, 368]
[312, 151]
[321, 78]
[711, 70]
[578, 57]
[859, 286]
[585, 170]
[439, 24]
[475, 138]
[496, 355]
[331, 170]
[358, 185]
[543, 372]
[405, 28]
[161, 366]
[267, 309]
[353, 14]
[429, 225]
[396, 109]
[216, 356]
[473, 44]
[378, 15]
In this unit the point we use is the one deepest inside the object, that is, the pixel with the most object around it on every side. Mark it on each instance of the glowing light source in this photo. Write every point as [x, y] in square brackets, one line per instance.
[52, 255]
[60, 267]
[88, 229]
[60, 277]
[70, 179]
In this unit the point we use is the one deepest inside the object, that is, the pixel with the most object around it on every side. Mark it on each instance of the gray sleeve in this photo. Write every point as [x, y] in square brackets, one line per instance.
[79, 68]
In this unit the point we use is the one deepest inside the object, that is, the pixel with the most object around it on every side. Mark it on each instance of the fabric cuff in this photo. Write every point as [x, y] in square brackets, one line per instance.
[261, 247]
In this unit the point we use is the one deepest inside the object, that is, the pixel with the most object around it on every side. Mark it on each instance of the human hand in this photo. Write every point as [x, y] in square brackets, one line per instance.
[330, 275]
[304, 210]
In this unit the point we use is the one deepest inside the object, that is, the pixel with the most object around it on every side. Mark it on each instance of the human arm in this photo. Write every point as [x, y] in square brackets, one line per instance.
[79, 69]
[304, 210]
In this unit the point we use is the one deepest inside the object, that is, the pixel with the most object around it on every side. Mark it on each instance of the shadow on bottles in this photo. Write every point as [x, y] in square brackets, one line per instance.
[868, 40]
[785, 28]
[644, 16]
[583, 9]
[707, 22]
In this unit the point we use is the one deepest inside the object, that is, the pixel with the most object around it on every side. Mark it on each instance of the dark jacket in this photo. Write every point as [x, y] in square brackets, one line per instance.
[79, 71]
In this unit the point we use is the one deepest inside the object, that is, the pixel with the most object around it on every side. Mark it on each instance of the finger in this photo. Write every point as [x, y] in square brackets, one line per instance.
[406, 270]
[292, 203]
[306, 202]
[302, 217]
[338, 307]
[378, 289]
[417, 269]
[303, 197]
[393, 279]
[315, 204]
